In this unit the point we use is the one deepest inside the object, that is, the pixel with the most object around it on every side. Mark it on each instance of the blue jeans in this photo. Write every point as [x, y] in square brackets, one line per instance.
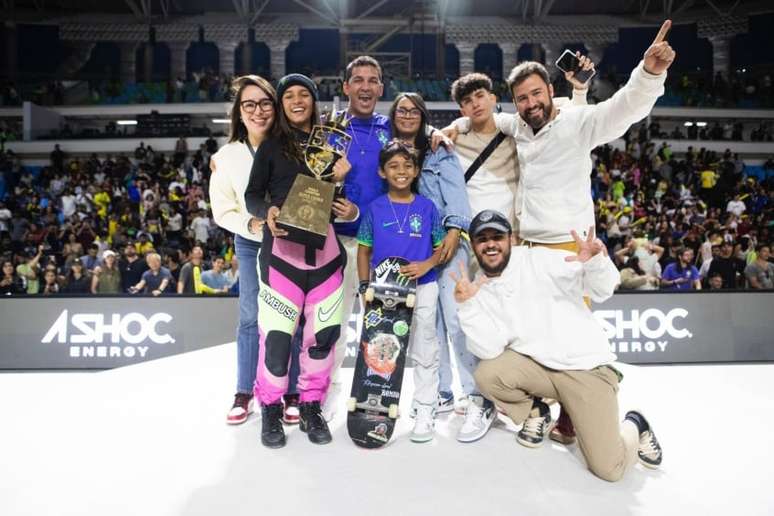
[247, 330]
[448, 325]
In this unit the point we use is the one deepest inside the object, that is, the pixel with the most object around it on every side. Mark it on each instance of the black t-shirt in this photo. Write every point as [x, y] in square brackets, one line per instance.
[728, 269]
[80, 285]
[272, 173]
[131, 273]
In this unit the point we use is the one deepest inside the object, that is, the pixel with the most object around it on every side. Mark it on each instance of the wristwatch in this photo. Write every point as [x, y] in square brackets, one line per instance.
[363, 287]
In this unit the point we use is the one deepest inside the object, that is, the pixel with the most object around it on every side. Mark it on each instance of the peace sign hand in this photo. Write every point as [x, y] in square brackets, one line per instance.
[464, 288]
[587, 249]
[659, 55]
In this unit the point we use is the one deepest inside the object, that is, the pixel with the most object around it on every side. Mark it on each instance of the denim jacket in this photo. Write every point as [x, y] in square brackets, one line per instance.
[443, 181]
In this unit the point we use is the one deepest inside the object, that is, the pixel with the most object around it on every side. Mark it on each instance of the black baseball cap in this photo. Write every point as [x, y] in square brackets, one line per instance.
[489, 219]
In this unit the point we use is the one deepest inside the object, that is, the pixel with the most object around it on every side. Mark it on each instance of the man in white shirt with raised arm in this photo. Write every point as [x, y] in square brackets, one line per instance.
[554, 147]
[525, 318]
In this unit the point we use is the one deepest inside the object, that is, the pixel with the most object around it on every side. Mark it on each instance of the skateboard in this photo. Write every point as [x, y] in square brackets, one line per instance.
[372, 408]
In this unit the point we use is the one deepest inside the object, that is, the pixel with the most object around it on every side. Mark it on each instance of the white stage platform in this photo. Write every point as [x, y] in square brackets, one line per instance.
[151, 440]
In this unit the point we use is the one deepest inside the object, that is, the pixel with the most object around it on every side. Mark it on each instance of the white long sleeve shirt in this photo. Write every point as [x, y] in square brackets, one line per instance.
[228, 182]
[555, 163]
[536, 308]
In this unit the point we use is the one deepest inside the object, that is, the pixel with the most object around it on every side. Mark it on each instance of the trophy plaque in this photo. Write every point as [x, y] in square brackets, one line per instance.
[306, 213]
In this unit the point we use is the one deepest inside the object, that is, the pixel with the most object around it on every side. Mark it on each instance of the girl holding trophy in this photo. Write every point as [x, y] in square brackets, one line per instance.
[301, 266]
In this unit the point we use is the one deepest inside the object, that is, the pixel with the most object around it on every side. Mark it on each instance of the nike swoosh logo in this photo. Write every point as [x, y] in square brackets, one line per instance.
[325, 315]
[387, 224]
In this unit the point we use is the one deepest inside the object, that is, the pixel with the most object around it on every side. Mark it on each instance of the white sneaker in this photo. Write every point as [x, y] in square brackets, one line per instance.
[461, 406]
[445, 404]
[331, 402]
[424, 426]
[478, 419]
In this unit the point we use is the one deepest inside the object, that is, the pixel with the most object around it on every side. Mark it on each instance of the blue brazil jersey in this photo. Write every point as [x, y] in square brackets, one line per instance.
[410, 231]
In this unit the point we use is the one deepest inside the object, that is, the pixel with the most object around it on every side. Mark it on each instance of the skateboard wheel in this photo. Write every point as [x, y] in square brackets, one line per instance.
[411, 300]
[393, 411]
[351, 402]
[369, 294]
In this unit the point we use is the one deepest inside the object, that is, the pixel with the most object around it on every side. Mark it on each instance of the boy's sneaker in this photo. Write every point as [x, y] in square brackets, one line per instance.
[445, 402]
[272, 433]
[424, 426]
[242, 407]
[461, 406]
[290, 414]
[478, 419]
[564, 431]
[313, 423]
[649, 450]
[536, 427]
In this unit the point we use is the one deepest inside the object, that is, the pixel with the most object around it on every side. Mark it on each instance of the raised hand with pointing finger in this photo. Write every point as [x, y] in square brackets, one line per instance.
[464, 288]
[659, 55]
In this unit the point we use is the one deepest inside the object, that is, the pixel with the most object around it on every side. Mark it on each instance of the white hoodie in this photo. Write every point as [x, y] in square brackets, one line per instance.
[536, 308]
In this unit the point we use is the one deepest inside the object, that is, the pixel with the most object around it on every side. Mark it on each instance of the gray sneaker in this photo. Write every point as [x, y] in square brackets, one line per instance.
[479, 416]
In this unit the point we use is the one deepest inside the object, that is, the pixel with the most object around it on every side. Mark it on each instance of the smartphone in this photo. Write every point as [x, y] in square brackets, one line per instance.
[568, 62]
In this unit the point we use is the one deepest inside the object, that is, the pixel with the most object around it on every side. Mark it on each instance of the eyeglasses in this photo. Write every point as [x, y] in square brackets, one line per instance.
[408, 113]
[249, 106]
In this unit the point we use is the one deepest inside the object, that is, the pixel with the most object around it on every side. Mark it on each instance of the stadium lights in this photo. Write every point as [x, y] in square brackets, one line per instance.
[701, 124]
[688, 124]
[221, 121]
[127, 122]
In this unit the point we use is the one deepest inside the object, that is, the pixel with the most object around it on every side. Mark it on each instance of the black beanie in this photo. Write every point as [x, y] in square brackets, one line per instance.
[296, 79]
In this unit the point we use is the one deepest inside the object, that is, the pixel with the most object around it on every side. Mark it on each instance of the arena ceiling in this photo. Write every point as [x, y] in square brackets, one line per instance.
[333, 12]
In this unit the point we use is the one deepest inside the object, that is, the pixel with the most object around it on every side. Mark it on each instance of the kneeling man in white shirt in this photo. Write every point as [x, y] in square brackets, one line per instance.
[525, 318]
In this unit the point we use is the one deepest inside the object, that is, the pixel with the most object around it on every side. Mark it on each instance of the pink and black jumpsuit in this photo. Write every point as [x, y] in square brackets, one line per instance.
[295, 280]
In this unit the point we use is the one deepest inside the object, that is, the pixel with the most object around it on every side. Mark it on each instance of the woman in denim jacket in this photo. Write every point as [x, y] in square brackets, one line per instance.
[442, 180]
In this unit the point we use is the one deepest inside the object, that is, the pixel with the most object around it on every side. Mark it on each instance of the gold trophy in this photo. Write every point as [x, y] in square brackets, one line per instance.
[307, 209]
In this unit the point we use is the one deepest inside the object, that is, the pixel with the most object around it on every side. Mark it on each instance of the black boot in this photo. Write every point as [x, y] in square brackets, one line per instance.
[272, 434]
[313, 423]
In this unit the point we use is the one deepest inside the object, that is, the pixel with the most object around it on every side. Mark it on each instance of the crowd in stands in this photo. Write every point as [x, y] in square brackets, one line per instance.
[739, 89]
[135, 224]
[698, 221]
[141, 224]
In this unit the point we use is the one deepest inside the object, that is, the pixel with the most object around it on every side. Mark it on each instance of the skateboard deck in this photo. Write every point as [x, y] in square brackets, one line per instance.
[381, 359]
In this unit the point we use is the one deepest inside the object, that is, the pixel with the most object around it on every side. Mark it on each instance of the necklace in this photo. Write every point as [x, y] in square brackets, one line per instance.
[370, 132]
[395, 214]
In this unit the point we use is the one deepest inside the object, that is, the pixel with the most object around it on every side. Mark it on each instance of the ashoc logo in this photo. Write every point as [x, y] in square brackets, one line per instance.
[644, 331]
[92, 329]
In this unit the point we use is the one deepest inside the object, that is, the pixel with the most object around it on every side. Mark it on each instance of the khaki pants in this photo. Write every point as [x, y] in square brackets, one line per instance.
[590, 397]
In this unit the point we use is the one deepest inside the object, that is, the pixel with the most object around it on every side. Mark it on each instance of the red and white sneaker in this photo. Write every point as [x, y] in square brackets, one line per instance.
[564, 431]
[243, 407]
[290, 413]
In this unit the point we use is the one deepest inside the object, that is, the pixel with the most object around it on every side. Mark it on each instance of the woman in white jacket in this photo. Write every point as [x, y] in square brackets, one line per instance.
[252, 121]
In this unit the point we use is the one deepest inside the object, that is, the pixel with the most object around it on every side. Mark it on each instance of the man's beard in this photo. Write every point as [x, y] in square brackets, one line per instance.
[500, 267]
[538, 123]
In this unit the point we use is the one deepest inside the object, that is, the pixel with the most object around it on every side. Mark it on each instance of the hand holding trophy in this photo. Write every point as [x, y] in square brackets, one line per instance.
[307, 209]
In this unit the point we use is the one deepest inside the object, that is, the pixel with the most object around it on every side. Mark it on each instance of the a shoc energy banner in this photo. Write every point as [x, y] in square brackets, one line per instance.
[108, 332]
[689, 327]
